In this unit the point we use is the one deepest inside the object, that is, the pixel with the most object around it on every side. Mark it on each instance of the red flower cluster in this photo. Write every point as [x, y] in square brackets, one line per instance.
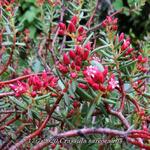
[72, 61]
[96, 79]
[110, 23]
[126, 44]
[140, 64]
[34, 84]
[72, 28]
[19, 89]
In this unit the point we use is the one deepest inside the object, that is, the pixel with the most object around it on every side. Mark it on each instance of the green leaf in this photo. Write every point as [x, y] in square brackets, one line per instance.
[83, 94]
[30, 16]
[18, 103]
[91, 110]
[67, 99]
[42, 97]
[118, 4]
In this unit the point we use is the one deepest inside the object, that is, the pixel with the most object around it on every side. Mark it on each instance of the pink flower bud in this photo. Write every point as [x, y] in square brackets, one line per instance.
[115, 21]
[78, 68]
[62, 26]
[66, 59]
[85, 54]
[100, 77]
[121, 37]
[140, 58]
[109, 19]
[105, 72]
[88, 46]
[104, 23]
[74, 20]
[80, 38]
[129, 51]
[76, 104]
[33, 94]
[79, 50]
[115, 27]
[61, 32]
[102, 88]
[72, 54]
[71, 27]
[83, 86]
[78, 61]
[63, 69]
[73, 65]
[80, 30]
[95, 86]
[73, 75]
[125, 45]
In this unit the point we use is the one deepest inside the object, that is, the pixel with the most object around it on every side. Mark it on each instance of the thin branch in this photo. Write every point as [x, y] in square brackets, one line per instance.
[99, 25]
[85, 131]
[20, 78]
[6, 94]
[37, 132]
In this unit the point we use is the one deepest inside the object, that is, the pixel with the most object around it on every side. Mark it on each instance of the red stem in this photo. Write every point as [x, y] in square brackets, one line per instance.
[19, 78]
[37, 132]
[73, 133]
[9, 122]
[4, 118]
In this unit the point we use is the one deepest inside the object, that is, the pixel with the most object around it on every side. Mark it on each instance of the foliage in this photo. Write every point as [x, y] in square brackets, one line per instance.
[68, 73]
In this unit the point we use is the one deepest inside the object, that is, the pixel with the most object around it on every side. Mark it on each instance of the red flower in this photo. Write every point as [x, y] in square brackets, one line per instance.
[112, 83]
[94, 77]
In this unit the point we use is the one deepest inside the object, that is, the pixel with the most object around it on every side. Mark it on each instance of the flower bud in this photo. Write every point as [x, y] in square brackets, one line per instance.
[72, 54]
[66, 59]
[71, 27]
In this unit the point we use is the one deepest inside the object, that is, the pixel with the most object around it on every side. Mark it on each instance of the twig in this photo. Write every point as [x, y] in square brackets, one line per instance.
[21, 78]
[9, 122]
[4, 118]
[10, 57]
[6, 94]
[85, 131]
[99, 25]
[119, 115]
[93, 14]
[37, 132]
